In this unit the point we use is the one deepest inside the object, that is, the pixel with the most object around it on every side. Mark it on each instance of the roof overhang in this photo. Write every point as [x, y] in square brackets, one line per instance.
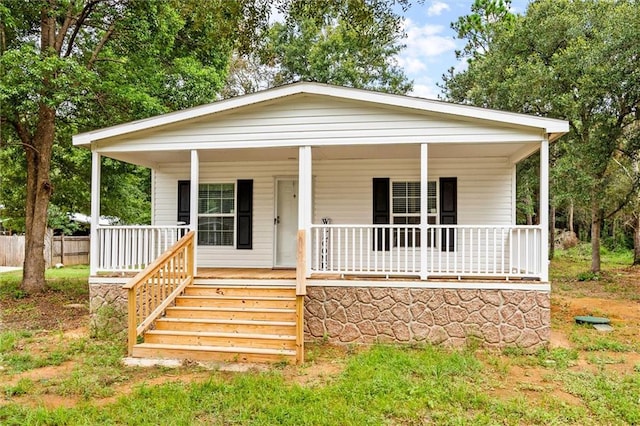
[553, 128]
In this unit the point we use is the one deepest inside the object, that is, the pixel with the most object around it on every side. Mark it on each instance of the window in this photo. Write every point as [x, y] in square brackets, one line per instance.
[216, 214]
[405, 202]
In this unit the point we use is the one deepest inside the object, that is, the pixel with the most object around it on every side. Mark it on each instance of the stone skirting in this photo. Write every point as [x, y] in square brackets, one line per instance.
[107, 308]
[442, 316]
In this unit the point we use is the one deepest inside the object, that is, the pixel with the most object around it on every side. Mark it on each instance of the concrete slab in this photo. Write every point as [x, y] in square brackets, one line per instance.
[603, 327]
[9, 268]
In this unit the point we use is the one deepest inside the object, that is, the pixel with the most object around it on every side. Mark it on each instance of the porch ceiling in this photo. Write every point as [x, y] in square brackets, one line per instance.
[395, 151]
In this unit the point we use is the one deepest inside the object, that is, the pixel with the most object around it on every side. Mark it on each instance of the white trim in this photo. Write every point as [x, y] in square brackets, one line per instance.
[95, 212]
[193, 204]
[204, 142]
[452, 285]
[305, 194]
[544, 209]
[424, 211]
[153, 197]
[548, 125]
[514, 194]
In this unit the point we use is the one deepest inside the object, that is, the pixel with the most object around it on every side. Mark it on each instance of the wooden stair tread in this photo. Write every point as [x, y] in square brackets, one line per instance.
[244, 287]
[246, 282]
[223, 321]
[221, 297]
[222, 334]
[228, 349]
[232, 309]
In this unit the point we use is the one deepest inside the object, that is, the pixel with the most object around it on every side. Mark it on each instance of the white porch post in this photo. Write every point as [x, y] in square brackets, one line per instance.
[544, 210]
[424, 213]
[193, 204]
[96, 160]
[305, 198]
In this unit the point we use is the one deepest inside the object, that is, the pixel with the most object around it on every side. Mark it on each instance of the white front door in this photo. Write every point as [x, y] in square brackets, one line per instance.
[286, 222]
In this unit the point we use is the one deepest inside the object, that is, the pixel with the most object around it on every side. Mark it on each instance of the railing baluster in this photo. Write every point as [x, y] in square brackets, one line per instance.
[486, 250]
[361, 261]
[353, 249]
[413, 250]
[384, 247]
[455, 250]
[463, 249]
[376, 247]
[339, 249]
[318, 254]
[368, 249]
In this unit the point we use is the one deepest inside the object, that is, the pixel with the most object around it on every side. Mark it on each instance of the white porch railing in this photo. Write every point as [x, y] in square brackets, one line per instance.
[451, 250]
[132, 248]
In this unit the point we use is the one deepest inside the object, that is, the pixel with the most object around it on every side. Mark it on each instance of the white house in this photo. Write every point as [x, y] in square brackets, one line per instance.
[397, 215]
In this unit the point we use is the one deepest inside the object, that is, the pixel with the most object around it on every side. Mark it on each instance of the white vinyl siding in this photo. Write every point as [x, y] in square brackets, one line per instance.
[317, 121]
[342, 191]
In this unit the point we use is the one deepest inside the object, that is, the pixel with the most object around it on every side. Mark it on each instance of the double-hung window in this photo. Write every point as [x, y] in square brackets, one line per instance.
[216, 214]
[405, 202]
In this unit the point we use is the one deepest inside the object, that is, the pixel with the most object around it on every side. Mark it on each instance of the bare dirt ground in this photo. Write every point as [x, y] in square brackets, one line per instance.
[55, 320]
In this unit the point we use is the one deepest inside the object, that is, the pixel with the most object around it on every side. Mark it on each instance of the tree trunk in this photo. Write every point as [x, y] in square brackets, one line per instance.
[596, 221]
[570, 220]
[552, 232]
[636, 241]
[39, 191]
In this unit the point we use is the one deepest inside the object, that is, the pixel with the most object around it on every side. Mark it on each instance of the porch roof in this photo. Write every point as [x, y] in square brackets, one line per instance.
[551, 127]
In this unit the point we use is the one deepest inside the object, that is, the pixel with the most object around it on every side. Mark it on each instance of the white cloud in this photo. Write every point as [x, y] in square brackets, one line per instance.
[427, 46]
[429, 91]
[426, 40]
[436, 8]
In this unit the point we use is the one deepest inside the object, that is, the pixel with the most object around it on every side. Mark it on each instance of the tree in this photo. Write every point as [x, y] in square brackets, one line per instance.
[352, 43]
[76, 65]
[480, 27]
[73, 65]
[575, 60]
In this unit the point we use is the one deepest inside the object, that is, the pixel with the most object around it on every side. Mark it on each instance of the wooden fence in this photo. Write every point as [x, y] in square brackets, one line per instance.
[58, 249]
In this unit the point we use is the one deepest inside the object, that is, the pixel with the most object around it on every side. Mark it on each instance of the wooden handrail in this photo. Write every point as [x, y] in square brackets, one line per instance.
[152, 290]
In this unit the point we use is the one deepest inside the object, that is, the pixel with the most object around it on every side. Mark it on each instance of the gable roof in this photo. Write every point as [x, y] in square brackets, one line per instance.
[552, 127]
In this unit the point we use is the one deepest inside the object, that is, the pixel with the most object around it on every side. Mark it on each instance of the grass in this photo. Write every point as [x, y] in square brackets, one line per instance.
[587, 384]
[72, 280]
[379, 385]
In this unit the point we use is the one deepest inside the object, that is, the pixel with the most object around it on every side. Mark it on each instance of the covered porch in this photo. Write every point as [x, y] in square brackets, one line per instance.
[346, 234]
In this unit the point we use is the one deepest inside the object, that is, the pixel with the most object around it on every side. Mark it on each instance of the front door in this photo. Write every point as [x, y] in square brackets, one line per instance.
[286, 222]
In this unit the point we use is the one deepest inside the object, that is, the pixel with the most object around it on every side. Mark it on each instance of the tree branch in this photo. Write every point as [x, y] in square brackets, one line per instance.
[68, 20]
[100, 45]
[79, 23]
[23, 134]
[625, 200]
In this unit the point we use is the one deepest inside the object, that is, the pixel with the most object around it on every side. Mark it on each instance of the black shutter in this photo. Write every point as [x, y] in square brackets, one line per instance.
[184, 201]
[381, 212]
[448, 210]
[244, 240]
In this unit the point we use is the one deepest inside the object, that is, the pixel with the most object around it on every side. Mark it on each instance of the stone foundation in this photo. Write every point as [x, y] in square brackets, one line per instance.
[496, 318]
[107, 309]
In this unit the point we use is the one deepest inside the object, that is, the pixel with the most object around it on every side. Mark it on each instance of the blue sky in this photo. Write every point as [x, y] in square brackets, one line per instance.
[431, 46]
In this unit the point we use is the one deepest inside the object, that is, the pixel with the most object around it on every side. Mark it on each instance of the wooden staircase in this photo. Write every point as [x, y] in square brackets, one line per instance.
[228, 321]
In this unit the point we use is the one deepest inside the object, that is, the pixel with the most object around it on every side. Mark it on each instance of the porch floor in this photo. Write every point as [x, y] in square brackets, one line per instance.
[290, 274]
